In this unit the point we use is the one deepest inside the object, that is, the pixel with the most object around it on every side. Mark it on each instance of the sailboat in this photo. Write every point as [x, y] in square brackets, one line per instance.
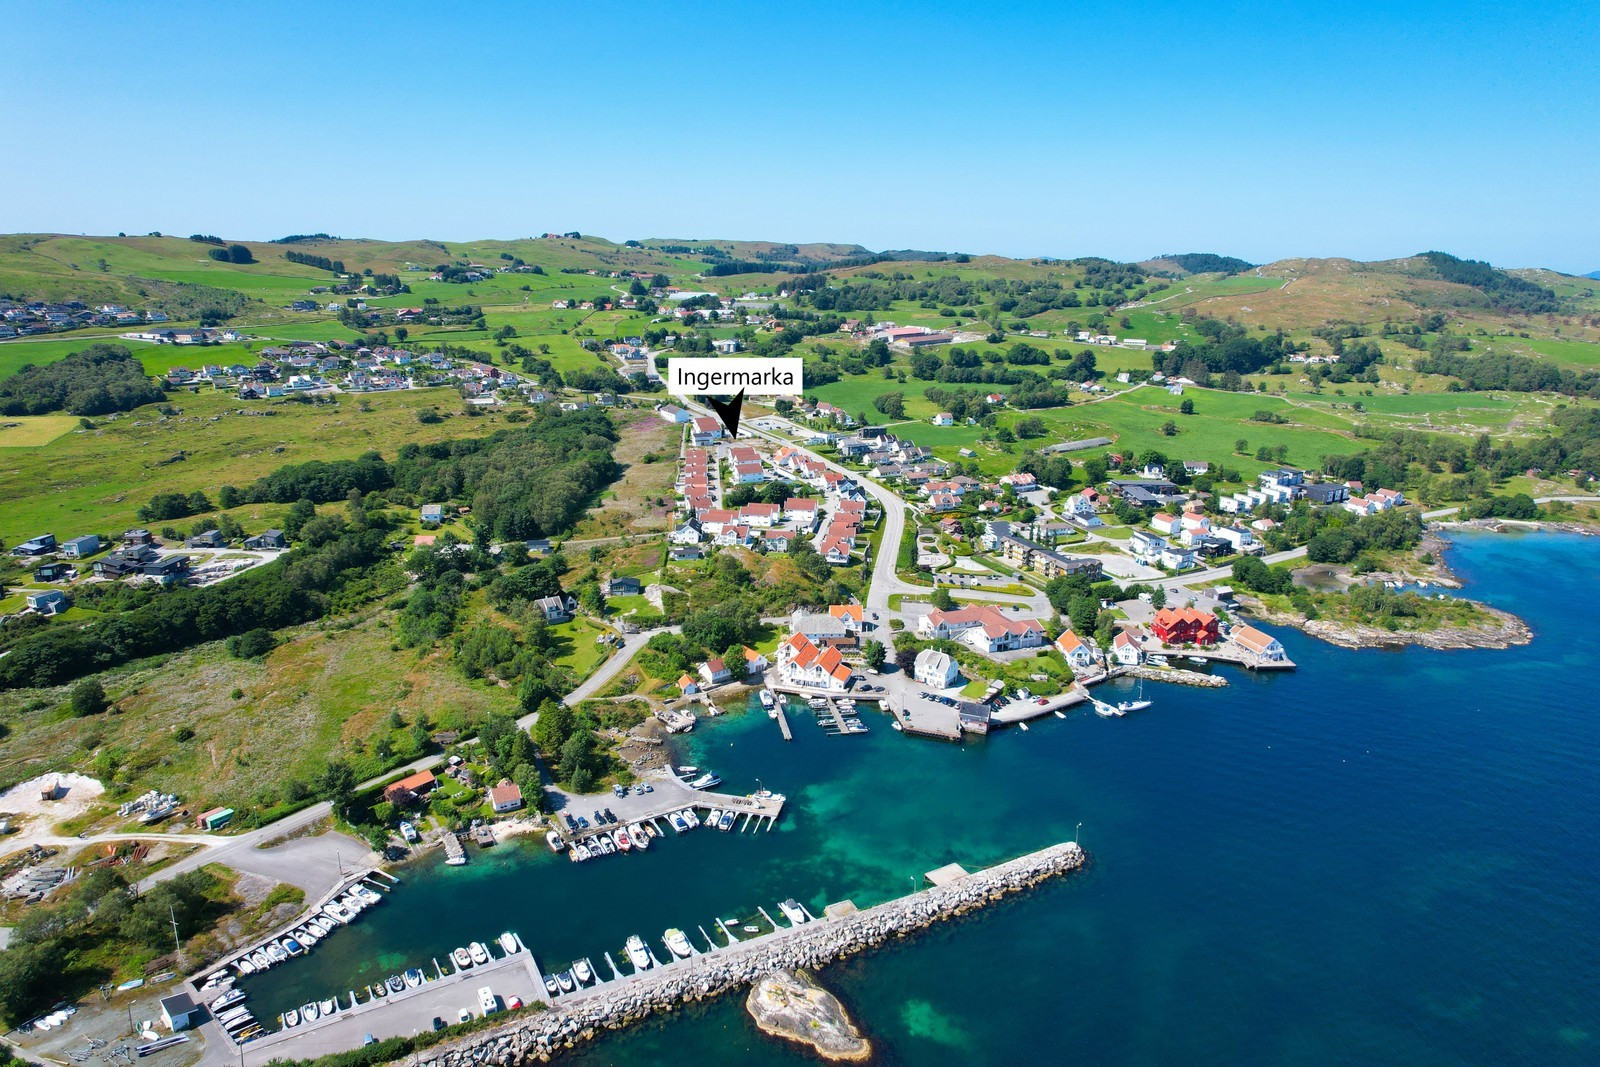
[1138, 703]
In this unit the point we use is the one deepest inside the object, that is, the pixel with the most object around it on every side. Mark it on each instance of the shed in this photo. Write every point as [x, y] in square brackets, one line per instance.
[178, 1012]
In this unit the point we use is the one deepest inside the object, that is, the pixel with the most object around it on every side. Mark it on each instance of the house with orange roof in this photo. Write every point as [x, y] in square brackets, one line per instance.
[1258, 643]
[984, 627]
[801, 663]
[849, 614]
[1080, 654]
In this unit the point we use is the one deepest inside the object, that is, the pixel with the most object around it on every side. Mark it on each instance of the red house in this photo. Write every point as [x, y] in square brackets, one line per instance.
[1186, 626]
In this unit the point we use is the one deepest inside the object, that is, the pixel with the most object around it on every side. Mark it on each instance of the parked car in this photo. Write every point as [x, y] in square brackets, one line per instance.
[438, 1024]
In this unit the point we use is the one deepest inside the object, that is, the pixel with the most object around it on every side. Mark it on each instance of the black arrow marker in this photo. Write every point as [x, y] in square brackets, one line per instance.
[728, 411]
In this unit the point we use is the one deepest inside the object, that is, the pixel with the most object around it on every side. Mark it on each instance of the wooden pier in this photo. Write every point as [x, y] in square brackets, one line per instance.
[783, 724]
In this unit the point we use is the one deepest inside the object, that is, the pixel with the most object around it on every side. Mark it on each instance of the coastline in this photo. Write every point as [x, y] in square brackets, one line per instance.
[1507, 632]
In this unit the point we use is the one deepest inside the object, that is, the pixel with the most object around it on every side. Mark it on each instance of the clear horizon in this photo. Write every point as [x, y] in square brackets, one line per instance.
[1371, 132]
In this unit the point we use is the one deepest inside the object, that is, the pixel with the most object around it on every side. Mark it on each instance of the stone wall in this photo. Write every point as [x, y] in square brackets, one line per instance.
[580, 1017]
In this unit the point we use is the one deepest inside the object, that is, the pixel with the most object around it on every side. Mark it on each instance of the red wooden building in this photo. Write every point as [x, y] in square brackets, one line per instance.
[1186, 626]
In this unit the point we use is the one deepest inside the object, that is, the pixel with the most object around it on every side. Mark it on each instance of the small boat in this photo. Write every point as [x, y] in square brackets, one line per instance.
[277, 952]
[227, 1000]
[624, 842]
[378, 990]
[409, 832]
[678, 943]
[367, 894]
[580, 852]
[551, 987]
[413, 978]
[637, 953]
[353, 904]
[793, 911]
[156, 814]
[261, 960]
[462, 959]
[608, 846]
[688, 770]
[554, 840]
[329, 1006]
[335, 911]
[1106, 711]
[714, 818]
[767, 699]
[396, 984]
[305, 936]
[897, 727]
[706, 781]
[508, 942]
[690, 818]
[679, 824]
[293, 947]
[640, 839]
[750, 928]
[308, 1012]
[726, 822]
[291, 1018]
[564, 980]
[480, 954]
[582, 972]
[245, 966]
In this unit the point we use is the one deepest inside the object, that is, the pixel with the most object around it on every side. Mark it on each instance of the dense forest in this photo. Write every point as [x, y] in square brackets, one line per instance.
[1208, 262]
[1519, 373]
[96, 381]
[1501, 291]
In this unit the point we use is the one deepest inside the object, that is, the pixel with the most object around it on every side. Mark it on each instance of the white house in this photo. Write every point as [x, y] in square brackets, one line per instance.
[1176, 558]
[715, 672]
[1126, 650]
[1164, 523]
[676, 416]
[944, 418]
[1079, 653]
[1259, 643]
[507, 796]
[983, 627]
[936, 669]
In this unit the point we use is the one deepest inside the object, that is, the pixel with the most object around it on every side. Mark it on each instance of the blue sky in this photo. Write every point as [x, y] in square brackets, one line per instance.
[1118, 129]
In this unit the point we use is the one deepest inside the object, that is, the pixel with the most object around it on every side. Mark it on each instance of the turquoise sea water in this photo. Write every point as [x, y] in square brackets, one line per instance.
[1385, 857]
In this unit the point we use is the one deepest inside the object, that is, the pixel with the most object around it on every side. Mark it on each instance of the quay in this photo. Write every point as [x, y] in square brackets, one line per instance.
[1229, 651]
[783, 724]
[670, 795]
[400, 1014]
[842, 931]
[452, 846]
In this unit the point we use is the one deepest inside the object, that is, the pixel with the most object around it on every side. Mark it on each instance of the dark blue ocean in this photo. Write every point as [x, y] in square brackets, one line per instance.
[1385, 857]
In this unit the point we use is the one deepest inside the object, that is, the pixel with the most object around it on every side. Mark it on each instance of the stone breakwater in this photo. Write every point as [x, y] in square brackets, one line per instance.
[613, 1005]
[1176, 676]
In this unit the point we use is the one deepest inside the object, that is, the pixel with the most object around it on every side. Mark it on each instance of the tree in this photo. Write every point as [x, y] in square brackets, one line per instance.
[88, 698]
[1187, 407]
[337, 785]
[873, 653]
[942, 600]
[905, 659]
[1169, 428]
[252, 643]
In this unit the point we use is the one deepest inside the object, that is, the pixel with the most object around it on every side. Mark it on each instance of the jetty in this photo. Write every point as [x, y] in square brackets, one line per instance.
[453, 851]
[841, 932]
[783, 724]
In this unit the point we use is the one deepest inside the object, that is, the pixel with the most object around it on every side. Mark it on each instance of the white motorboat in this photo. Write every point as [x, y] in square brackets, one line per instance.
[462, 958]
[277, 952]
[638, 955]
[688, 770]
[768, 700]
[706, 781]
[580, 852]
[305, 936]
[412, 977]
[308, 1012]
[679, 825]
[550, 985]
[409, 832]
[245, 966]
[793, 912]
[328, 1007]
[291, 1018]
[335, 911]
[714, 818]
[624, 841]
[690, 819]
[678, 943]
[582, 972]
[640, 839]
[367, 894]
[608, 846]
[726, 822]
[554, 840]
[480, 954]
[564, 980]
[508, 942]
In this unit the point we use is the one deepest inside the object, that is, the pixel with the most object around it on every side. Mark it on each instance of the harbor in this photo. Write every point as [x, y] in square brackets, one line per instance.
[806, 942]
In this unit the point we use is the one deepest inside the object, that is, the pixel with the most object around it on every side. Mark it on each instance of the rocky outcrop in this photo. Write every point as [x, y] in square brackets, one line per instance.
[1501, 630]
[790, 1005]
[580, 1017]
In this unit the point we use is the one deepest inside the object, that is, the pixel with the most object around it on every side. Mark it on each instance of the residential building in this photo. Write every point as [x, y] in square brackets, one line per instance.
[1126, 649]
[407, 790]
[1186, 626]
[1080, 654]
[706, 430]
[267, 539]
[801, 663]
[506, 796]
[47, 601]
[80, 547]
[936, 669]
[623, 585]
[432, 514]
[984, 627]
[824, 629]
[1258, 643]
[714, 671]
[558, 608]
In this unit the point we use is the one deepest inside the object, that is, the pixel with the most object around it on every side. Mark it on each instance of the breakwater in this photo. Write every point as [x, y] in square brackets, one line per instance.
[1174, 676]
[616, 1004]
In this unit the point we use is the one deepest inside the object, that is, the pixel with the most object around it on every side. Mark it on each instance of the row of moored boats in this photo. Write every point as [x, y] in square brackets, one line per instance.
[297, 942]
[635, 835]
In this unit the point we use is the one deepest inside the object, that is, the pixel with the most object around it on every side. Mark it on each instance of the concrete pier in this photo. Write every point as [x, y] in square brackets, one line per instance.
[841, 932]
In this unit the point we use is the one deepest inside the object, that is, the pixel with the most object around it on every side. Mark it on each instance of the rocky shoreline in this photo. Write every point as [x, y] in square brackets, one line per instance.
[580, 1018]
[1506, 631]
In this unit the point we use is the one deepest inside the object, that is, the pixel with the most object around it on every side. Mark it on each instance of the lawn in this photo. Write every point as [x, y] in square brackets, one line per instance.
[34, 431]
[95, 481]
[576, 646]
